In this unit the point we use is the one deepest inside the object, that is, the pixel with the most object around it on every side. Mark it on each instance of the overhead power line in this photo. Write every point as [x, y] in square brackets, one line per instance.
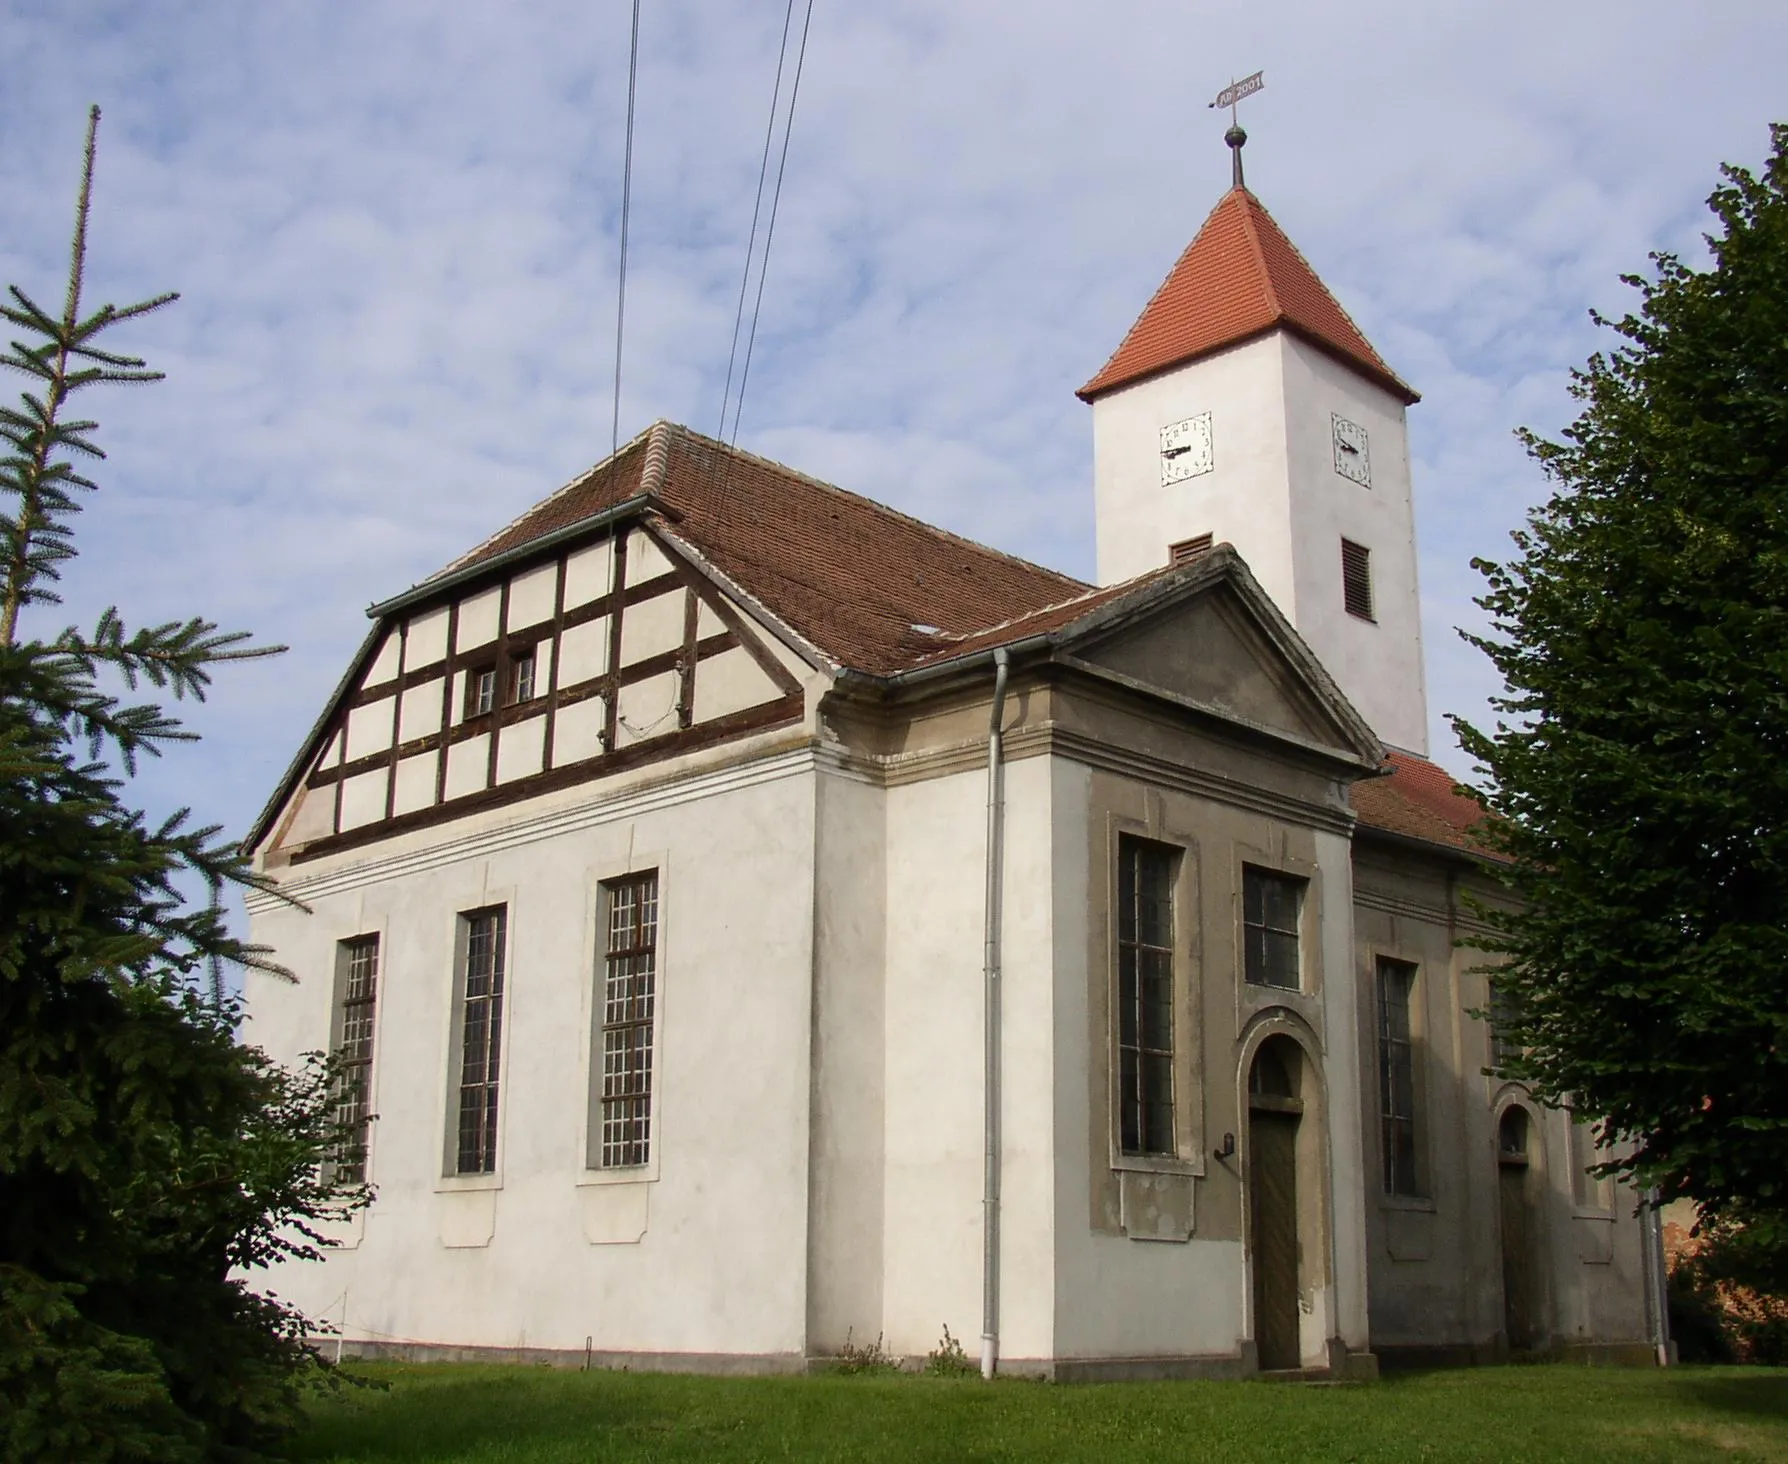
[763, 173]
[626, 211]
[763, 263]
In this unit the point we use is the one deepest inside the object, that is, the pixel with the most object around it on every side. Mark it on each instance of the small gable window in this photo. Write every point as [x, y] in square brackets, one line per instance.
[481, 689]
[1356, 579]
[521, 676]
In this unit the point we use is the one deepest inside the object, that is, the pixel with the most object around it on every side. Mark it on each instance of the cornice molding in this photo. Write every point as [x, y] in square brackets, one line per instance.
[536, 825]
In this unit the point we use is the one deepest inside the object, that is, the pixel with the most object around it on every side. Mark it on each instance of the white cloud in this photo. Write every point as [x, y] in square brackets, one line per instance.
[395, 229]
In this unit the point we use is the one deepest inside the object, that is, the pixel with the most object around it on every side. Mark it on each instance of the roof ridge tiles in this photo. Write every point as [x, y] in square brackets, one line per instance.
[473, 554]
[934, 530]
[1269, 286]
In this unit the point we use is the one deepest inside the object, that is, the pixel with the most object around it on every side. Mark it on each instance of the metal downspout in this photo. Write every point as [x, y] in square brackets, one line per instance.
[1657, 1272]
[990, 1087]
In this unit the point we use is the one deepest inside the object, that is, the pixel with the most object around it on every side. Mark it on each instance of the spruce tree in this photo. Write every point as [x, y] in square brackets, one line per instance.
[1639, 769]
[148, 1161]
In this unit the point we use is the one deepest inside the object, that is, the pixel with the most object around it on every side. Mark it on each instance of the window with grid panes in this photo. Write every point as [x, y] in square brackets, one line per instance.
[1396, 1076]
[1145, 996]
[623, 1127]
[1270, 907]
[1503, 1049]
[356, 1006]
[481, 690]
[481, 1038]
[521, 677]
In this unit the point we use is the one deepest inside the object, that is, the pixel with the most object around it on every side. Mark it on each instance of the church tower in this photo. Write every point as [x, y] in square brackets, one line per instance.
[1245, 406]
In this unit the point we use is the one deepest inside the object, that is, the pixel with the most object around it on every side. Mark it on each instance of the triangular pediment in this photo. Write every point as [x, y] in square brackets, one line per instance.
[1215, 645]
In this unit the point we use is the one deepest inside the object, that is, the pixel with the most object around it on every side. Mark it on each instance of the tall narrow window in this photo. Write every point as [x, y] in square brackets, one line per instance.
[1270, 907]
[623, 1121]
[1503, 1048]
[356, 1005]
[1396, 1076]
[1356, 579]
[1145, 997]
[482, 934]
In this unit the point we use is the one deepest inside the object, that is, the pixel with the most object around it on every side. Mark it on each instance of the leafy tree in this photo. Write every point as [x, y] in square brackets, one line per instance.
[1640, 762]
[146, 1158]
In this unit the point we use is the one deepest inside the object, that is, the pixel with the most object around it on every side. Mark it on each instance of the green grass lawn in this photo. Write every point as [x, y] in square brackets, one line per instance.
[447, 1414]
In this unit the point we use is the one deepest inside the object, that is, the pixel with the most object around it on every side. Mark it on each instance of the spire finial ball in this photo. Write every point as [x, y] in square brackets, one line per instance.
[1235, 137]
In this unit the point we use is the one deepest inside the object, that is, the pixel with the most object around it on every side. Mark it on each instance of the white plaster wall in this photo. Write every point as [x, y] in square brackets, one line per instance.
[1114, 1296]
[1275, 495]
[721, 1265]
[385, 663]
[1347, 1301]
[421, 711]
[849, 972]
[478, 619]
[1378, 663]
[932, 1239]
[1241, 501]
[584, 651]
[589, 573]
[932, 1121]
[426, 640]
[531, 597]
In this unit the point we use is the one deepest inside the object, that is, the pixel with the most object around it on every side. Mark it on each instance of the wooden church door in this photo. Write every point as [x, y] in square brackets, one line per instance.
[1520, 1293]
[1274, 1115]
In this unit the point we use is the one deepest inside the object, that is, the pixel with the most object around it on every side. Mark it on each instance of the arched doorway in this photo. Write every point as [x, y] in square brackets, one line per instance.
[1275, 1110]
[1520, 1283]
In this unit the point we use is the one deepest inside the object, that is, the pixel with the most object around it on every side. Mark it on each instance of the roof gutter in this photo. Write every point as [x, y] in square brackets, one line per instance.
[628, 508]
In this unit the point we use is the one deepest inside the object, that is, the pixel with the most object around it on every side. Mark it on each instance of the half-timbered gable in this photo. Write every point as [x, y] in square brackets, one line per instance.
[510, 679]
[671, 599]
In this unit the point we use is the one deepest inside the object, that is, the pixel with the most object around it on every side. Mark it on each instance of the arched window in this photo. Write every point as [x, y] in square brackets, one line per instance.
[1275, 1070]
[1511, 1135]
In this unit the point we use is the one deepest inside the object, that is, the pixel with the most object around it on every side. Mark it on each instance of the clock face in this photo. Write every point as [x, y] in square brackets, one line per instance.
[1186, 449]
[1351, 458]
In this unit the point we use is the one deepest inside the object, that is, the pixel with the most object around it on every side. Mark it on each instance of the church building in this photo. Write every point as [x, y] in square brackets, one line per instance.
[755, 919]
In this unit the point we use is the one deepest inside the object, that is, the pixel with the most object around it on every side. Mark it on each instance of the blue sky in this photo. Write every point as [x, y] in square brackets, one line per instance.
[394, 226]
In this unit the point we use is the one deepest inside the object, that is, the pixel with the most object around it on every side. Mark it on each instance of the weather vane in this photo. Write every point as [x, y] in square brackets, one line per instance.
[1230, 96]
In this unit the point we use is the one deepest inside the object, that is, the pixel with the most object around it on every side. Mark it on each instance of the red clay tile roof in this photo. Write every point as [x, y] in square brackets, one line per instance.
[853, 577]
[1421, 801]
[1239, 277]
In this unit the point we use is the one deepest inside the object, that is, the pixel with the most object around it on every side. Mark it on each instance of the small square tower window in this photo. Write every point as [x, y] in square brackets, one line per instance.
[1188, 549]
[1356, 579]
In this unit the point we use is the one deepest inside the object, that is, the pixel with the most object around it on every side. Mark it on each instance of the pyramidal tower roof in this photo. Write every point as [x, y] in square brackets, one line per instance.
[1239, 278]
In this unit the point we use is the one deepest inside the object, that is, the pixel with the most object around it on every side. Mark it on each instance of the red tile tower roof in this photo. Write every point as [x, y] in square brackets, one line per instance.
[1239, 278]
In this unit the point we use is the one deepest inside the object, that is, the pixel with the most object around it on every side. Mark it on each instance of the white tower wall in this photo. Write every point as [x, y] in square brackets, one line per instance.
[1274, 493]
